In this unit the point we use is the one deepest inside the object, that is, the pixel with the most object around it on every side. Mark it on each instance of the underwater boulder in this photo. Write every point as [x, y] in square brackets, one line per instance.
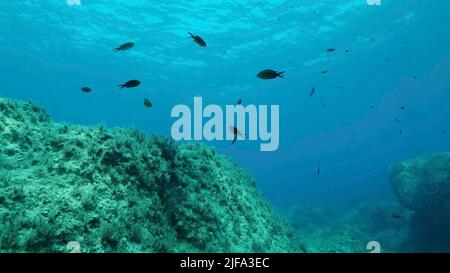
[423, 183]
[122, 191]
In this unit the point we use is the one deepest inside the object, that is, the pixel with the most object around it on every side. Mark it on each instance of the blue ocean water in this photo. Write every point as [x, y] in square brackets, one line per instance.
[384, 98]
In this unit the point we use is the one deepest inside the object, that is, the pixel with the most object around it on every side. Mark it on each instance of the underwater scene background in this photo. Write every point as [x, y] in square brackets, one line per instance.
[364, 152]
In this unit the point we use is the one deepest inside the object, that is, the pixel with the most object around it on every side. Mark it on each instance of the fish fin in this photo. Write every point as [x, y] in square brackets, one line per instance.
[192, 35]
[280, 74]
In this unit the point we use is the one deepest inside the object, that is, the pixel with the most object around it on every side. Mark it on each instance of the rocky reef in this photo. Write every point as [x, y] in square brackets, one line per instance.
[423, 186]
[349, 230]
[419, 221]
[122, 191]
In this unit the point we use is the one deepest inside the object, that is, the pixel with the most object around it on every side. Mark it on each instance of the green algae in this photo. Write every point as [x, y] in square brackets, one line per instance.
[122, 191]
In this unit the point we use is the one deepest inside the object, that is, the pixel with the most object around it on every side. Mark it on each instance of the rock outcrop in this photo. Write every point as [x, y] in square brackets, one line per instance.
[122, 191]
[423, 183]
[423, 186]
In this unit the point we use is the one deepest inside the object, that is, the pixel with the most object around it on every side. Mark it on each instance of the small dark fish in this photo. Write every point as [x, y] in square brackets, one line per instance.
[397, 120]
[403, 108]
[236, 133]
[415, 77]
[239, 102]
[318, 171]
[311, 93]
[444, 131]
[339, 87]
[373, 107]
[130, 84]
[347, 51]
[400, 131]
[396, 216]
[199, 40]
[331, 49]
[147, 103]
[124, 47]
[324, 71]
[269, 74]
[86, 89]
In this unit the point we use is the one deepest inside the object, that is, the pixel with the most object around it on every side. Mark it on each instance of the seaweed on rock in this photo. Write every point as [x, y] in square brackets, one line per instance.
[122, 191]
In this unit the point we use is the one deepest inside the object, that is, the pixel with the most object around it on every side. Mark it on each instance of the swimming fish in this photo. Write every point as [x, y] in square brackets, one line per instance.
[396, 216]
[324, 71]
[269, 74]
[130, 84]
[199, 40]
[331, 49]
[236, 133]
[124, 47]
[403, 108]
[311, 93]
[86, 89]
[318, 171]
[147, 103]
[239, 102]
[397, 120]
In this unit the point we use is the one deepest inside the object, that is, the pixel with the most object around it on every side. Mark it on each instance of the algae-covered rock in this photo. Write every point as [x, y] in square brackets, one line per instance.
[332, 230]
[121, 191]
[333, 239]
[423, 183]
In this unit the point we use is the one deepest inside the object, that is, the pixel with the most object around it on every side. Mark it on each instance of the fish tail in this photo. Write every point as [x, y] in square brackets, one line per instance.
[122, 86]
[192, 35]
[116, 49]
[280, 74]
